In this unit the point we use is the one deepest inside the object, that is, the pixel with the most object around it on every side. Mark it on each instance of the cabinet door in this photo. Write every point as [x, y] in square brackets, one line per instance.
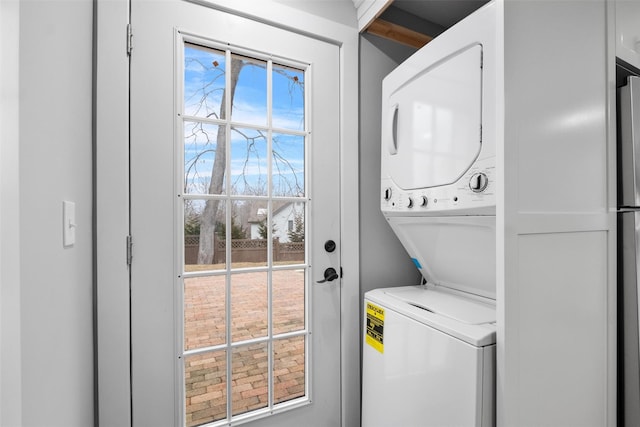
[628, 31]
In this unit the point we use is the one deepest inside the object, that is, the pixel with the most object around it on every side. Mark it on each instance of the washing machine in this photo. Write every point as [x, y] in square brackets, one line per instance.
[429, 350]
[428, 358]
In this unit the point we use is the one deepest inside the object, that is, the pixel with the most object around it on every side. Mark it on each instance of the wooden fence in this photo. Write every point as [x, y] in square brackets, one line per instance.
[245, 250]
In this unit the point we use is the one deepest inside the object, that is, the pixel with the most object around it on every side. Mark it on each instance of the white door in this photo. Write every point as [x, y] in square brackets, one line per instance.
[234, 192]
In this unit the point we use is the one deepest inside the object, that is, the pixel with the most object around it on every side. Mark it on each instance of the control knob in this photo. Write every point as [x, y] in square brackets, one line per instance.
[478, 182]
[410, 203]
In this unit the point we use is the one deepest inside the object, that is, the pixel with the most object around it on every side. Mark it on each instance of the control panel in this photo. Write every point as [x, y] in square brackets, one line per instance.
[473, 193]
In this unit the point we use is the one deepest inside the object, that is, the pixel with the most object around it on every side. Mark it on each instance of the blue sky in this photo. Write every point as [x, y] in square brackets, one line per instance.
[204, 83]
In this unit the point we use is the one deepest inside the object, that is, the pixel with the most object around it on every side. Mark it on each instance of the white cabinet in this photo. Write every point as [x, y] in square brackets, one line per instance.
[555, 236]
[628, 31]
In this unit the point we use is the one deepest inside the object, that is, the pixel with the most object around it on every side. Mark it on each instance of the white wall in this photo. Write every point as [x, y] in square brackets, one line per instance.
[55, 164]
[341, 11]
[10, 361]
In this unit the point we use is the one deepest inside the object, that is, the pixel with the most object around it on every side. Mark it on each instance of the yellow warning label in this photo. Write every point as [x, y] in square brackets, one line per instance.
[375, 327]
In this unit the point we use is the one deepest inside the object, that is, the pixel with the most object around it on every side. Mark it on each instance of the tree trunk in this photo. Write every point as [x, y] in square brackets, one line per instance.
[216, 186]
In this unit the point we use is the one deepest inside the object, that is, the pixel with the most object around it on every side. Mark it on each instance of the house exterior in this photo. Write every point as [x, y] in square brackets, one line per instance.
[284, 221]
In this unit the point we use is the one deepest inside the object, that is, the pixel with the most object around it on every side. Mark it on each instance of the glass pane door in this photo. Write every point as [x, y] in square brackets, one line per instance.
[233, 195]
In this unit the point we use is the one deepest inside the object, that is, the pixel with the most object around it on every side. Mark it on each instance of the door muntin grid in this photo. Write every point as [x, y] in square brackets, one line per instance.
[243, 291]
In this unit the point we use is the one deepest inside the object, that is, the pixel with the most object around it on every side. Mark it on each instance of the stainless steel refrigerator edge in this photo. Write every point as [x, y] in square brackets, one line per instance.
[629, 251]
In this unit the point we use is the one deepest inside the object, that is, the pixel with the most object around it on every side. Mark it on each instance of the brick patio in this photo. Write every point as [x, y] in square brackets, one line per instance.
[205, 374]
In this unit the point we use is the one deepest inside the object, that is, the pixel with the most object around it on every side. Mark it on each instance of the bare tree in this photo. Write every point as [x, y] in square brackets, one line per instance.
[209, 215]
[208, 218]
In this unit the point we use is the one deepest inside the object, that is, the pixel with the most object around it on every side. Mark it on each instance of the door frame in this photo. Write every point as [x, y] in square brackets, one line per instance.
[112, 195]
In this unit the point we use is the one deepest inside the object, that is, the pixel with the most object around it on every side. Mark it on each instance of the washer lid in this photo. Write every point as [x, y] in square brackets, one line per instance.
[467, 318]
[460, 308]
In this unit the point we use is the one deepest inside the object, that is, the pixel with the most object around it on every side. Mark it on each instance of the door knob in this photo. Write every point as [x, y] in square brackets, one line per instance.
[330, 275]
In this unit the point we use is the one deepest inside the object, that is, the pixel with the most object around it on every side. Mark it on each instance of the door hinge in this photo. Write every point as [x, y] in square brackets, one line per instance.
[129, 250]
[129, 39]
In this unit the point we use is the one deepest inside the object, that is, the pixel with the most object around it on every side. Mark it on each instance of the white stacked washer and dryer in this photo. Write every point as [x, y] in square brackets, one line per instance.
[429, 350]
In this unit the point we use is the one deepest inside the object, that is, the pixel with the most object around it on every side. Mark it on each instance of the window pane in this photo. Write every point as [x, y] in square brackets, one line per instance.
[288, 98]
[288, 301]
[248, 247]
[288, 165]
[258, 214]
[289, 233]
[288, 369]
[248, 162]
[202, 174]
[248, 306]
[204, 81]
[205, 388]
[250, 96]
[204, 235]
[250, 380]
[204, 312]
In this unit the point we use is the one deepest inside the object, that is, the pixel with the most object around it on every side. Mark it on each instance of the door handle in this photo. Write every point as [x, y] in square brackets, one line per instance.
[330, 275]
[392, 134]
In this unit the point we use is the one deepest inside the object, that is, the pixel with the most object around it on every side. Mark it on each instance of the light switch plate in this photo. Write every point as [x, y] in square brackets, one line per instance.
[68, 223]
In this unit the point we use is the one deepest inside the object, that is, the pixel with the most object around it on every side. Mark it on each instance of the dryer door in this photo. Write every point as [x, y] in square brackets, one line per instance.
[432, 129]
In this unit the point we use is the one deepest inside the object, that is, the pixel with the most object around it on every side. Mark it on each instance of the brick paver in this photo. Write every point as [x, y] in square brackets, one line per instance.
[205, 374]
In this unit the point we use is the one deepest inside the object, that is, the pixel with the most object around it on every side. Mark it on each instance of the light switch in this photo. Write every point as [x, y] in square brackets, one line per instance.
[68, 223]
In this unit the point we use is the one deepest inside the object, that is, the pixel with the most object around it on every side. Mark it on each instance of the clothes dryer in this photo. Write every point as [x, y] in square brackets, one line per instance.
[438, 158]
[439, 124]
